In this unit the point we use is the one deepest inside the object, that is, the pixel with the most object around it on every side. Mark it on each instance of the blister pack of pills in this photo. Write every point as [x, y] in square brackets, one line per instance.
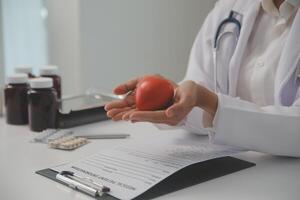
[68, 140]
[49, 135]
[68, 143]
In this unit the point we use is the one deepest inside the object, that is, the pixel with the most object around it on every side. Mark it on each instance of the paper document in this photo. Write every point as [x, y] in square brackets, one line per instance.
[133, 169]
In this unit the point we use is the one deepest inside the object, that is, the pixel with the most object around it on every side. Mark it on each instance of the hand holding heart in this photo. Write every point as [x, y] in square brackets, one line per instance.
[157, 100]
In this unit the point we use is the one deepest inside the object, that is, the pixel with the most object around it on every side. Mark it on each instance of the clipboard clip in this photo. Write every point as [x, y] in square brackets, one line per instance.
[82, 184]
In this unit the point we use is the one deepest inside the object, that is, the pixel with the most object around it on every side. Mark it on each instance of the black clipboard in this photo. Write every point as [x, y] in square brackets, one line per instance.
[186, 177]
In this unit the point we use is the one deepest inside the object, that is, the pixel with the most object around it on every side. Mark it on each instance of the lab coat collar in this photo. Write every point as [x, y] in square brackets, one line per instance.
[285, 11]
[295, 3]
[249, 13]
[270, 8]
[285, 85]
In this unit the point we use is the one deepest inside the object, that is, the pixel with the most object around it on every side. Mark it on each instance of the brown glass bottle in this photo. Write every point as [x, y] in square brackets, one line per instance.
[52, 72]
[42, 104]
[56, 83]
[15, 95]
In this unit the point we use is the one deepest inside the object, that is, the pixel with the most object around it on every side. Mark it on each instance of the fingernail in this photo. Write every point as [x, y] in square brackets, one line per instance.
[109, 114]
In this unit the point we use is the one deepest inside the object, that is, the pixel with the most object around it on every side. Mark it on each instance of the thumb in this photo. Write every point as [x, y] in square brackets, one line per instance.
[126, 87]
[121, 89]
[175, 109]
[176, 106]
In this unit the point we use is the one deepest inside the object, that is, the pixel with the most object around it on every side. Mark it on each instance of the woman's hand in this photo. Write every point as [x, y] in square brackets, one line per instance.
[117, 109]
[187, 96]
[185, 99]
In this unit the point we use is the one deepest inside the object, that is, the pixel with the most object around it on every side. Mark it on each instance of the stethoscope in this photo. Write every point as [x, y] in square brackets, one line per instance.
[235, 19]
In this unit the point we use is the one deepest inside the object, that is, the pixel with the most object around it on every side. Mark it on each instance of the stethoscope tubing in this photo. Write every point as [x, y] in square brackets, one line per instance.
[218, 38]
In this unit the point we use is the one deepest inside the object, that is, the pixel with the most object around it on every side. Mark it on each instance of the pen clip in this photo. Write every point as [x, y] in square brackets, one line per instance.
[82, 184]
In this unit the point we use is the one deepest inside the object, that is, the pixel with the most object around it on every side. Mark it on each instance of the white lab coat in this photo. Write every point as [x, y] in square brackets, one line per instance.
[272, 129]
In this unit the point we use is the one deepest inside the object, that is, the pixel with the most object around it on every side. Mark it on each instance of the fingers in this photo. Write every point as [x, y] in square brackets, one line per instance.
[127, 115]
[111, 113]
[120, 115]
[127, 102]
[127, 87]
[176, 109]
[116, 104]
[157, 117]
[151, 116]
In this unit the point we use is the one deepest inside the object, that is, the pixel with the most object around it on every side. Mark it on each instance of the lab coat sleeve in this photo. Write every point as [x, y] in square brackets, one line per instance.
[273, 129]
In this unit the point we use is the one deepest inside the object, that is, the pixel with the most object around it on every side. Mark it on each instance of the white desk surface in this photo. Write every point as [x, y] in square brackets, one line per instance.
[272, 178]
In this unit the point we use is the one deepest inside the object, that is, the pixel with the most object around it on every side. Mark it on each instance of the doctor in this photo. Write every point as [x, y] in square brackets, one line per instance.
[242, 82]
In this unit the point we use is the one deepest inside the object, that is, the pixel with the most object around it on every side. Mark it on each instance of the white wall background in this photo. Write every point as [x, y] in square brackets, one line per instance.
[24, 33]
[64, 42]
[100, 43]
[1, 53]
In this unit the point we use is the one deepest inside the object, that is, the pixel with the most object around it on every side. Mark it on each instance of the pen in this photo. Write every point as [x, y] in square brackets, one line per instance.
[80, 184]
[105, 136]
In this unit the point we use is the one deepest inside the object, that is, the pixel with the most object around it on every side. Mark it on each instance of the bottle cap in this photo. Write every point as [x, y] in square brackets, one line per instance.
[49, 70]
[23, 69]
[39, 83]
[17, 79]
